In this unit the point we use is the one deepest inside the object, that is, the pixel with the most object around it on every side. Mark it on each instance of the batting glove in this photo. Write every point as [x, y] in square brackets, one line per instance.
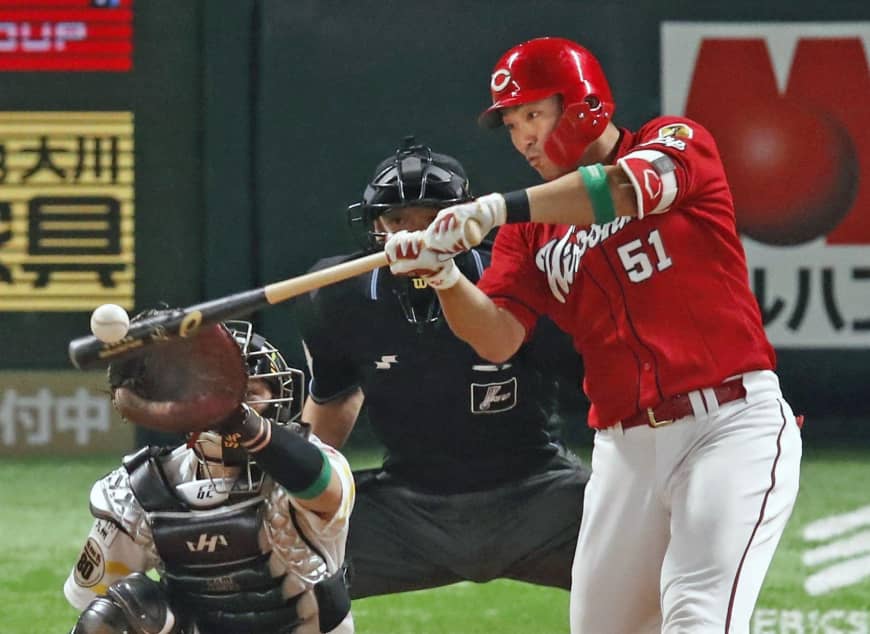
[408, 255]
[447, 233]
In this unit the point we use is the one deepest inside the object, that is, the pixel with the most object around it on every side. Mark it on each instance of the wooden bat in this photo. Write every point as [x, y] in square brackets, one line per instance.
[87, 352]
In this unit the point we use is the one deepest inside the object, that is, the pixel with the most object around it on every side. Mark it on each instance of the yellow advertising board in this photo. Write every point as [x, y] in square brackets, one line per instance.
[59, 413]
[66, 210]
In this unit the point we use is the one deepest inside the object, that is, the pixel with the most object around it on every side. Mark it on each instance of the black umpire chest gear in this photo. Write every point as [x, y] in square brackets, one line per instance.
[215, 571]
[482, 424]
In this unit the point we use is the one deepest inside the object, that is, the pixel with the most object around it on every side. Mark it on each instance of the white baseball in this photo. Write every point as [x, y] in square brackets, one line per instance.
[110, 323]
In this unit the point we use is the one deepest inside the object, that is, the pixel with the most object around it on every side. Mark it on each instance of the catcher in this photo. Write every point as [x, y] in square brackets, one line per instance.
[240, 546]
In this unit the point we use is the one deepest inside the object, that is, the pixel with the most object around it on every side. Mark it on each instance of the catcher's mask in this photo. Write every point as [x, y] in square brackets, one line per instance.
[275, 390]
[414, 176]
[265, 362]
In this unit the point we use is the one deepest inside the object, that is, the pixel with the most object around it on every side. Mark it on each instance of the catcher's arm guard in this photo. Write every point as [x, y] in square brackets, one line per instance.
[285, 453]
[181, 385]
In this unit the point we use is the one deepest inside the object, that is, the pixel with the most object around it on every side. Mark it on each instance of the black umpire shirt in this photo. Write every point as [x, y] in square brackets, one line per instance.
[450, 420]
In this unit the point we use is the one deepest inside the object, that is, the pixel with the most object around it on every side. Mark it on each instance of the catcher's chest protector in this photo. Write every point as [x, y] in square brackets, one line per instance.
[215, 570]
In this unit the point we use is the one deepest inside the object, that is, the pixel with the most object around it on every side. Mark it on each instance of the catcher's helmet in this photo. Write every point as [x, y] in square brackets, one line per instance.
[265, 361]
[414, 176]
[286, 385]
[548, 66]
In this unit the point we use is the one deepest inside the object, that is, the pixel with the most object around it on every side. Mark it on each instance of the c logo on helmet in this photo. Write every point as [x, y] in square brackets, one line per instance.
[500, 79]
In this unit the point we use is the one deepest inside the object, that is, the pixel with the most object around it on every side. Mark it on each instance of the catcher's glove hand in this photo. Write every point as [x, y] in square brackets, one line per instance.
[181, 385]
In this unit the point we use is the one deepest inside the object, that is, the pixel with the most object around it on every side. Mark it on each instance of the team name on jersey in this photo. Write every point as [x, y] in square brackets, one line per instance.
[560, 258]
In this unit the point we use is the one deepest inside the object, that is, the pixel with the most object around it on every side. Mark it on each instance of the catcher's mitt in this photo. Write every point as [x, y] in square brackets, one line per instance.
[181, 385]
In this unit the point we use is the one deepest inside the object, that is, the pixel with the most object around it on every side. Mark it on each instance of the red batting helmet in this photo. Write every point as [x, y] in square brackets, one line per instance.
[548, 66]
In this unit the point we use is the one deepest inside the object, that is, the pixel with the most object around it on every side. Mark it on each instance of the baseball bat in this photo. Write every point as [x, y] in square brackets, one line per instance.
[87, 352]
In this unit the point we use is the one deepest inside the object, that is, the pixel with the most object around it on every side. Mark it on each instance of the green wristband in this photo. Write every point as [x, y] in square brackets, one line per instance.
[319, 485]
[595, 179]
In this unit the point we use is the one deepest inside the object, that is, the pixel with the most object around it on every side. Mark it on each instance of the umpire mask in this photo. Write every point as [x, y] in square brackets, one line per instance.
[414, 176]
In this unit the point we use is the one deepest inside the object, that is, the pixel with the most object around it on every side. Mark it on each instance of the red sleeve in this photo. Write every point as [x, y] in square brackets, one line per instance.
[690, 146]
[510, 279]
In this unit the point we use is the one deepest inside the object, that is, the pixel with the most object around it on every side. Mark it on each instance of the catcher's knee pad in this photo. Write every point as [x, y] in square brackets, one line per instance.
[101, 616]
[135, 605]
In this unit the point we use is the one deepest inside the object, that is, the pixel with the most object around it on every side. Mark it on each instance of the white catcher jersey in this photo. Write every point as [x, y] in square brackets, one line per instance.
[120, 540]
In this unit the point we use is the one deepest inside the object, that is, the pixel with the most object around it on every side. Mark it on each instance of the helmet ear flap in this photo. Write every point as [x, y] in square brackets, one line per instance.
[580, 124]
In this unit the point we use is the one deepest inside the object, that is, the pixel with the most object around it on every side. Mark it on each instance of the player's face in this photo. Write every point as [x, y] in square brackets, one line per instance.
[407, 218]
[258, 390]
[529, 126]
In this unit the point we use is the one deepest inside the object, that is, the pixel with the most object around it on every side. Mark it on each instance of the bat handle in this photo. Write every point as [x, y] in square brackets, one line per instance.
[281, 291]
[472, 232]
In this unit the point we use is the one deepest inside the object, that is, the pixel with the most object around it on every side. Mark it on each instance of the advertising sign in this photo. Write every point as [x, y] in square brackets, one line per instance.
[789, 106]
[66, 35]
[59, 413]
[66, 210]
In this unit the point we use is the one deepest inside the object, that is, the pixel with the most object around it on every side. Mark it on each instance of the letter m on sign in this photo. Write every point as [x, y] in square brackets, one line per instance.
[811, 81]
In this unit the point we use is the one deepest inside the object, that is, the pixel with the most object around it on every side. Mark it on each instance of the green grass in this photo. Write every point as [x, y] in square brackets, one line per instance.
[45, 518]
[832, 482]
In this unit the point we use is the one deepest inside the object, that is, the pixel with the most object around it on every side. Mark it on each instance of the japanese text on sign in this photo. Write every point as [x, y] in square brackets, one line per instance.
[32, 419]
[66, 210]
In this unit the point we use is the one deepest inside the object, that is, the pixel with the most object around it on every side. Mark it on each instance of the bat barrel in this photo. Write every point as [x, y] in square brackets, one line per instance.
[87, 352]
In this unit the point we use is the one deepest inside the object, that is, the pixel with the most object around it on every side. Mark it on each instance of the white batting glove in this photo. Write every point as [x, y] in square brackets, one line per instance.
[447, 233]
[408, 255]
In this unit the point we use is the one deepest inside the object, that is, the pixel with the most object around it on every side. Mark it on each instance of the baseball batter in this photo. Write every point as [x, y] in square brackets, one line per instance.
[632, 248]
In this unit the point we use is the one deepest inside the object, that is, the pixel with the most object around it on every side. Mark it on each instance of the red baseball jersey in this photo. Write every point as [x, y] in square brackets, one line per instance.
[657, 306]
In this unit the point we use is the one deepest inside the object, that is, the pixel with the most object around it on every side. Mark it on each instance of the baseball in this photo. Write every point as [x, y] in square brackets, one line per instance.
[110, 323]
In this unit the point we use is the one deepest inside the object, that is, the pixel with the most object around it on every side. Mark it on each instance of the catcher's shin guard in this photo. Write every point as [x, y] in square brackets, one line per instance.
[132, 605]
